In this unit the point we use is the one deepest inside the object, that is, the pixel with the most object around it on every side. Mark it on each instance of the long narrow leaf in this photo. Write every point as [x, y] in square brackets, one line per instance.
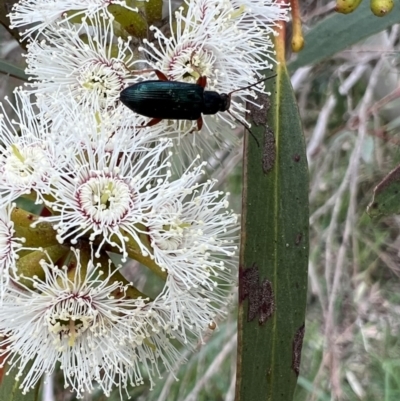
[12, 70]
[274, 253]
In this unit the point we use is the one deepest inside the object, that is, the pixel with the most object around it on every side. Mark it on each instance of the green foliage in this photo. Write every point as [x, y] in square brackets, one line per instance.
[274, 253]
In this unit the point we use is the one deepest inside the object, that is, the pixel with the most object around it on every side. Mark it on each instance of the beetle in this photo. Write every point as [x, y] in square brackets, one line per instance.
[174, 100]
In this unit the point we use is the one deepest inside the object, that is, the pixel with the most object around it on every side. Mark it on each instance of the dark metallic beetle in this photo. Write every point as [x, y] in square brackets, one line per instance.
[174, 100]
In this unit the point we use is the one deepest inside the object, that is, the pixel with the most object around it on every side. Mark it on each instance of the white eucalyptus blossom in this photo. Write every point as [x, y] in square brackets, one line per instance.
[83, 61]
[266, 13]
[194, 238]
[189, 312]
[193, 227]
[105, 195]
[82, 318]
[42, 13]
[29, 152]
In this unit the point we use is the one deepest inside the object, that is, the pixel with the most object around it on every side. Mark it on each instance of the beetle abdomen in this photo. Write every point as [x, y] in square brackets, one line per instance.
[164, 99]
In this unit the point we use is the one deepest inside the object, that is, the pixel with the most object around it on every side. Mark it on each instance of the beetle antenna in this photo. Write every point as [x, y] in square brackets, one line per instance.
[250, 86]
[245, 126]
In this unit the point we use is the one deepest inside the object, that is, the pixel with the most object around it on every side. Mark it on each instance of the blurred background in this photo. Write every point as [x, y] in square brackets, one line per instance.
[347, 85]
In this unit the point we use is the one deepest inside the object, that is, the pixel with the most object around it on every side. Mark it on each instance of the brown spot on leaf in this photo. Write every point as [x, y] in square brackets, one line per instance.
[296, 349]
[296, 158]
[299, 237]
[258, 111]
[269, 151]
[267, 301]
[261, 300]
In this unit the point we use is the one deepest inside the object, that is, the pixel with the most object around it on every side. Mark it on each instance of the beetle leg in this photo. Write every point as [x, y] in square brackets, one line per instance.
[199, 124]
[202, 81]
[161, 76]
[152, 122]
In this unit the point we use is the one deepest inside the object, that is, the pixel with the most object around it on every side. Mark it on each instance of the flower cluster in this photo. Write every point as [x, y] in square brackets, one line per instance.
[88, 188]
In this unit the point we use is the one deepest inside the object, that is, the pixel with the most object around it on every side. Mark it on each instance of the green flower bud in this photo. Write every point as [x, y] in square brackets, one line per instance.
[346, 6]
[381, 7]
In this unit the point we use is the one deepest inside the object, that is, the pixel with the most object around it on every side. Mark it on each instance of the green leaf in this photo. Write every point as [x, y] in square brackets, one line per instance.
[153, 10]
[131, 21]
[274, 252]
[340, 31]
[9, 390]
[386, 199]
[12, 70]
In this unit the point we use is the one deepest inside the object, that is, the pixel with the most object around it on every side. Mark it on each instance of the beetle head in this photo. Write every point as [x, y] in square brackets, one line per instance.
[225, 102]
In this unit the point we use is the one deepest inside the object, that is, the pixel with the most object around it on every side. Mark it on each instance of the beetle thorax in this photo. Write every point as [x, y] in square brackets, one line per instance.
[214, 102]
